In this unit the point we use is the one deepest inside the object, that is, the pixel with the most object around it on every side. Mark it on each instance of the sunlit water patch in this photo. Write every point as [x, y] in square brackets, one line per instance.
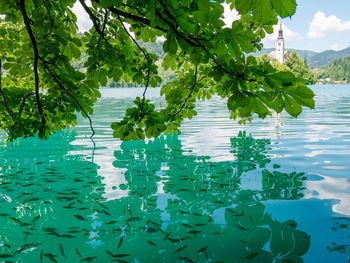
[276, 190]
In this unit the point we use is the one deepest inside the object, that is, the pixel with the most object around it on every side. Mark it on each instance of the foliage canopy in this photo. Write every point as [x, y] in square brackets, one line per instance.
[41, 91]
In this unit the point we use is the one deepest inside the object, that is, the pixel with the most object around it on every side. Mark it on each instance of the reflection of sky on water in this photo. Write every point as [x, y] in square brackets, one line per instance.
[316, 142]
[329, 188]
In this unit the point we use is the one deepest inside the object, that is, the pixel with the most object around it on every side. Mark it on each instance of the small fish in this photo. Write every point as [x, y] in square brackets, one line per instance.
[106, 213]
[105, 207]
[121, 255]
[78, 253]
[186, 259]
[202, 250]
[74, 231]
[194, 232]
[15, 220]
[155, 223]
[3, 214]
[41, 256]
[132, 219]
[151, 243]
[35, 218]
[251, 256]
[62, 251]
[181, 248]
[183, 212]
[111, 222]
[87, 259]
[241, 227]
[80, 217]
[70, 205]
[197, 214]
[199, 224]
[109, 253]
[67, 236]
[120, 242]
[186, 225]
[26, 246]
[166, 236]
[219, 232]
[51, 257]
[5, 255]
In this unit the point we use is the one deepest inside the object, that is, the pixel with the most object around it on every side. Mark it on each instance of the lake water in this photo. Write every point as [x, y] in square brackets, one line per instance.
[275, 190]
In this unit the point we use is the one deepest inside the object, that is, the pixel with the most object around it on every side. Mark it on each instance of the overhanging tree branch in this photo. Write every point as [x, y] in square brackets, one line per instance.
[36, 58]
[61, 86]
[94, 20]
[50, 17]
[148, 66]
[4, 102]
[190, 94]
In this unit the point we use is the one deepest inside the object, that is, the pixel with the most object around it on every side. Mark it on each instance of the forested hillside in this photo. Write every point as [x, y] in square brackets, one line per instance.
[337, 70]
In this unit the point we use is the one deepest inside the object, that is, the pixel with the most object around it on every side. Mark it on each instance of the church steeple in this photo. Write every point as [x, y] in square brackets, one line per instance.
[280, 45]
[280, 32]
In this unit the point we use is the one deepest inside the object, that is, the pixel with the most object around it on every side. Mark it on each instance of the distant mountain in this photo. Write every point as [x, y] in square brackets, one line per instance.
[315, 59]
[305, 54]
[326, 57]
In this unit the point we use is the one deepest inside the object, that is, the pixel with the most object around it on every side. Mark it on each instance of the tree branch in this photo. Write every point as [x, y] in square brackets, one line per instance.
[36, 58]
[148, 66]
[4, 102]
[103, 28]
[94, 19]
[58, 82]
[23, 103]
[50, 17]
[189, 95]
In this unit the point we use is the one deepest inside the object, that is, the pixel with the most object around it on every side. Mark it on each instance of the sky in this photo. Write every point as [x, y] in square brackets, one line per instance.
[317, 25]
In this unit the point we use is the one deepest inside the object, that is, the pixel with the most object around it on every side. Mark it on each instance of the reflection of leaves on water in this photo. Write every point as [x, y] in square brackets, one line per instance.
[250, 152]
[201, 204]
[178, 206]
[341, 224]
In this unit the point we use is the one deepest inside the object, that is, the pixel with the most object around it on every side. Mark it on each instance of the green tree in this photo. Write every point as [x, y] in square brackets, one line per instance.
[41, 91]
[300, 68]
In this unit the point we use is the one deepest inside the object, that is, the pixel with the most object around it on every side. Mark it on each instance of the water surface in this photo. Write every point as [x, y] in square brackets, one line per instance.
[275, 190]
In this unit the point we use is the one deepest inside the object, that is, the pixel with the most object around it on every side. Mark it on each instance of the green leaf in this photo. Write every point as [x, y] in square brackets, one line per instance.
[291, 106]
[263, 12]
[284, 7]
[204, 5]
[244, 6]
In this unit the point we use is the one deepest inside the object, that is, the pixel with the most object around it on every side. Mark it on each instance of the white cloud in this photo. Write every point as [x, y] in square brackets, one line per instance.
[322, 25]
[83, 21]
[335, 47]
[287, 35]
[230, 15]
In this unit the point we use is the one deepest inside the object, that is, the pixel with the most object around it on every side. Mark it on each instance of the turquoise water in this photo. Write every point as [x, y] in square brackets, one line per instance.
[275, 190]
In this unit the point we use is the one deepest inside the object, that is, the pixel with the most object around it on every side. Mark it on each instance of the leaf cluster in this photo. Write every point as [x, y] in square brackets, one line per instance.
[42, 91]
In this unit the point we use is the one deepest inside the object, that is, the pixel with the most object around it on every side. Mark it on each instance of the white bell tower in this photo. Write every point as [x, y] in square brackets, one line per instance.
[280, 46]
